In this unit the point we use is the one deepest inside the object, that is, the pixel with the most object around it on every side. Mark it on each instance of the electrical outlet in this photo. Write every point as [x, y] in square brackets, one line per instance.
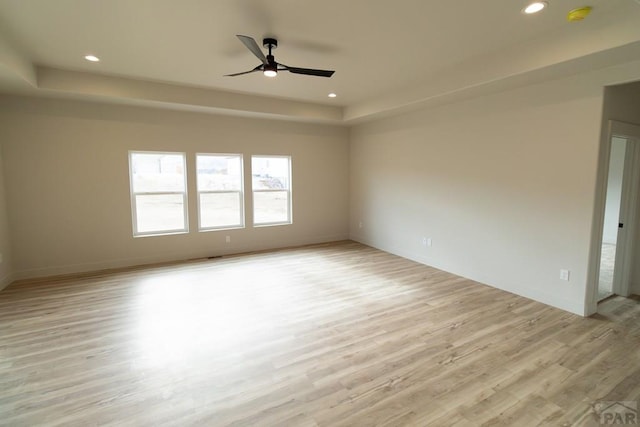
[228, 239]
[564, 275]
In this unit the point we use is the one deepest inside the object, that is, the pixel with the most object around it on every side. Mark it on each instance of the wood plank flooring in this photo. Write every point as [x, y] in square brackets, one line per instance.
[329, 335]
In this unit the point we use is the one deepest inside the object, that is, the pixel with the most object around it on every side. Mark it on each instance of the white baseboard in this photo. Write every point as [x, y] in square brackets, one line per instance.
[164, 258]
[575, 307]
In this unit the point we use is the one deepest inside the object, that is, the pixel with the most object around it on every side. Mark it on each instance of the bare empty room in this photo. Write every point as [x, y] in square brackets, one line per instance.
[286, 213]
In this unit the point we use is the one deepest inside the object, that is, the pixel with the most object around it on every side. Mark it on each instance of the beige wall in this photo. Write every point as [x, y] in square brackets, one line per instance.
[504, 185]
[66, 169]
[5, 238]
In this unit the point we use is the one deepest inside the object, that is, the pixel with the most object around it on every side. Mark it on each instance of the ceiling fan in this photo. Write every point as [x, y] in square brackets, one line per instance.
[269, 65]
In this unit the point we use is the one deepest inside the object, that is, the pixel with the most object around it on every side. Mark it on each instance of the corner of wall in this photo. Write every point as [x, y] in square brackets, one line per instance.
[6, 281]
[6, 266]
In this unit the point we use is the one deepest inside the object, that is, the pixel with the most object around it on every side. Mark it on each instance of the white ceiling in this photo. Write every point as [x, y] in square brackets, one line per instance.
[387, 54]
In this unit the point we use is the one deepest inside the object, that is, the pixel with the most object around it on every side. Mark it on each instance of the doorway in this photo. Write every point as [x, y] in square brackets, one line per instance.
[619, 224]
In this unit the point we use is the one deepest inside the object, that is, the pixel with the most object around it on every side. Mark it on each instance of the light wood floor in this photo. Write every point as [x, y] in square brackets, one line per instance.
[335, 335]
[607, 264]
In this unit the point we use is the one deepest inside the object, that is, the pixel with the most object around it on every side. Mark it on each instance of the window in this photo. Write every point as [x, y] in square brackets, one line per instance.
[158, 193]
[271, 190]
[220, 192]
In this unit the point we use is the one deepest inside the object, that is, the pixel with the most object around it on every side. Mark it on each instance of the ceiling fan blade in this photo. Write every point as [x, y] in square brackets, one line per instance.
[251, 44]
[310, 71]
[258, 68]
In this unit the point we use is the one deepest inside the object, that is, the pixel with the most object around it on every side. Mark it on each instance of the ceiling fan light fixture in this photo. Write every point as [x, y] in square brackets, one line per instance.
[270, 70]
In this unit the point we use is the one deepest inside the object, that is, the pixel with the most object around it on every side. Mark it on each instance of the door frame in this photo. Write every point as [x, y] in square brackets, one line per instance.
[628, 209]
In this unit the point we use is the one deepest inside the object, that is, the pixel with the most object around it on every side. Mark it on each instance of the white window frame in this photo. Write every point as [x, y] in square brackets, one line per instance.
[288, 190]
[134, 213]
[240, 193]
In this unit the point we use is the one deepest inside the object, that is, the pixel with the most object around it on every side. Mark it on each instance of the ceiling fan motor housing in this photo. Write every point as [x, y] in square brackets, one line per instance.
[271, 66]
[269, 43]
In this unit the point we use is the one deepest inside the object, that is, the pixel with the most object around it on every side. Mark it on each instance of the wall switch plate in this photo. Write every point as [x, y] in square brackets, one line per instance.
[426, 241]
[228, 239]
[360, 224]
[429, 242]
[564, 275]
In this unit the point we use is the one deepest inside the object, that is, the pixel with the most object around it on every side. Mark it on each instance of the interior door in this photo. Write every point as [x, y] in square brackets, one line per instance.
[612, 230]
[616, 256]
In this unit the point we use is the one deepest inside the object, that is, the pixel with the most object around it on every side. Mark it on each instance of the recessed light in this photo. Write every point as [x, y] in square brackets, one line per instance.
[535, 7]
[92, 58]
[332, 95]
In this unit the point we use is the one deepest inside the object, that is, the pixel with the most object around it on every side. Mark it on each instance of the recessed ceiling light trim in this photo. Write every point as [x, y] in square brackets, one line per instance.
[535, 7]
[332, 95]
[92, 58]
